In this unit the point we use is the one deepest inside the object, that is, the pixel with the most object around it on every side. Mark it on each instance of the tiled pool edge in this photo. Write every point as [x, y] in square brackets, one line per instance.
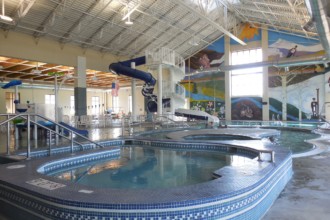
[248, 203]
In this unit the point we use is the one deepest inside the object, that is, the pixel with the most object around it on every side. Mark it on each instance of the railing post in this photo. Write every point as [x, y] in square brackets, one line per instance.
[71, 137]
[273, 156]
[35, 128]
[56, 134]
[28, 137]
[50, 143]
[8, 135]
[122, 126]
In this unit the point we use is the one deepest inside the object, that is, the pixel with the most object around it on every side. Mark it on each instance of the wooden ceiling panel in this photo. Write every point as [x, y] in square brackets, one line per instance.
[12, 68]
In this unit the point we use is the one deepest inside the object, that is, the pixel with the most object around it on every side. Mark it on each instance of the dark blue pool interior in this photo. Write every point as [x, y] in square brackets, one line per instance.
[151, 167]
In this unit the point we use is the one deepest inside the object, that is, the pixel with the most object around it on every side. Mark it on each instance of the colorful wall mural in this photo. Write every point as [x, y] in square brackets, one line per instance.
[206, 92]
[293, 87]
[297, 85]
[207, 58]
[248, 34]
[246, 108]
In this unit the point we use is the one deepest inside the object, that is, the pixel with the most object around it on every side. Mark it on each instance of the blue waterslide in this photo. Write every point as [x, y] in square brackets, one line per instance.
[12, 83]
[124, 68]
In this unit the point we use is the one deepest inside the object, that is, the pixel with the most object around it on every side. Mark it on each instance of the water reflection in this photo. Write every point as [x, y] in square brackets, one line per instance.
[145, 167]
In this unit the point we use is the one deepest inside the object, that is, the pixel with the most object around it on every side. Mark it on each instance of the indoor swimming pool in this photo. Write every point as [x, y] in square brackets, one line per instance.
[152, 176]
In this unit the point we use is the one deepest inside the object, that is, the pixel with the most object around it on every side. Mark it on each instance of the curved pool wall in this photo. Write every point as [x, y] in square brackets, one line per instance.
[240, 192]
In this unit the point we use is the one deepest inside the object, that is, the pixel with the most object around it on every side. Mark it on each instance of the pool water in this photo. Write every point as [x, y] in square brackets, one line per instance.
[295, 140]
[145, 167]
[292, 139]
[216, 137]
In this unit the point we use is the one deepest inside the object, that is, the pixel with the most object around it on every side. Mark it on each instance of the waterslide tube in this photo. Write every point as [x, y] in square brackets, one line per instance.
[124, 68]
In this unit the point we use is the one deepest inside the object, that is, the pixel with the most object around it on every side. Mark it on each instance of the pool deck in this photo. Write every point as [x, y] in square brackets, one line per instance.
[307, 195]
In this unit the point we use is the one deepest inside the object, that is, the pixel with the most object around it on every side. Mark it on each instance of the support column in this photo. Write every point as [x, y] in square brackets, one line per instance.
[327, 96]
[284, 96]
[265, 95]
[56, 98]
[227, 80]
[160, 90]
[172, 89]
[80, 91]
[133, 89]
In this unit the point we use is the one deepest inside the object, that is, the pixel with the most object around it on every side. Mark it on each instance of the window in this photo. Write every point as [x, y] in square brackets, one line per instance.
[10, 106]
[130, 104]
[115, 104]
[95, 105]
[247, 82]
[72, 106]
[50, 99]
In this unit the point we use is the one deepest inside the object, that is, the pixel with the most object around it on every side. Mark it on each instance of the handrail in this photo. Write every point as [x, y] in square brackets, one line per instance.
[66, 128]
[27, 117]
[50, 130]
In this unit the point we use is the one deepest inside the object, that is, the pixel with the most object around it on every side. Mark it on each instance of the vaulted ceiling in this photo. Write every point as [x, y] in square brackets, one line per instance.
[186, 26]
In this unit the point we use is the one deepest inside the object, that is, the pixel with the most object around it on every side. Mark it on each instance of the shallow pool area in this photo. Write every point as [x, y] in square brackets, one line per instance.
[296, 140]
[292, 138]
[141, 167]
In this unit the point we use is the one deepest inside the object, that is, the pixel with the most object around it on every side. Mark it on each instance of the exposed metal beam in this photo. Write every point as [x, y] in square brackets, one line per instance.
[297, 15]
[24, 7]
[320, 12]
[213, 23]
[49, 20]
[78, 21]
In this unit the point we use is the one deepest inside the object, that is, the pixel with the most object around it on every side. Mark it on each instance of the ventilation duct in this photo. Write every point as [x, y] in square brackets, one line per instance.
[293, 61]
[320, 11]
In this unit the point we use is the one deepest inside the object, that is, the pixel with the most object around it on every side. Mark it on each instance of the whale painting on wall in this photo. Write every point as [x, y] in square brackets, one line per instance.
[296, 85]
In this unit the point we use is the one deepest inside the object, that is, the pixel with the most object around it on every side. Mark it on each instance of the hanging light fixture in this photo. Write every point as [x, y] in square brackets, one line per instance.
[94, 78]
[129, 12]
[194, 41]
[36, 71]
[3, 16]
[128, 22]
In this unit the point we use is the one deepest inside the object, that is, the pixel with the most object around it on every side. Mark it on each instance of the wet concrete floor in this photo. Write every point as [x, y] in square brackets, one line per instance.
[307, 195]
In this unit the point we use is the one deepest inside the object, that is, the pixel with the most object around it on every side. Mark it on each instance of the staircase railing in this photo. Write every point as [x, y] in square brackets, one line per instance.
[29, 121]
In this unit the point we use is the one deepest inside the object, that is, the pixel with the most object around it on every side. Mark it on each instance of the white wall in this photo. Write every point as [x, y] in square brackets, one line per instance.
[18, 45]
[37, 95]
[123, 95]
